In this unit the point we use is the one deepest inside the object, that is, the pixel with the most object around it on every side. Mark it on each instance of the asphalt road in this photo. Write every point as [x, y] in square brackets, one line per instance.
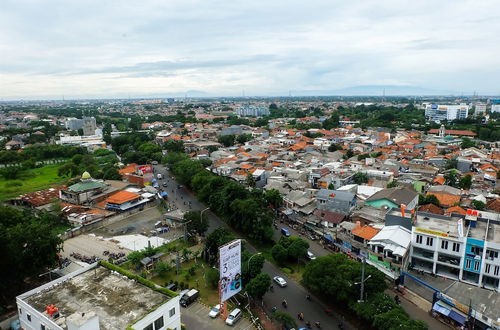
[294, 293]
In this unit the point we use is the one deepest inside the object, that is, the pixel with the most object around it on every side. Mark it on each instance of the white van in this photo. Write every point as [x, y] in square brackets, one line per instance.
[234, 317]
[159, 176]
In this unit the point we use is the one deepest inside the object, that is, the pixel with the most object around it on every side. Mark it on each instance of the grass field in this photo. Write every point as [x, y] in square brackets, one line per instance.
[30, 181]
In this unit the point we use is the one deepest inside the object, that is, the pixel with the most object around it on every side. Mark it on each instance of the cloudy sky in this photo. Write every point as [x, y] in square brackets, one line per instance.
[103, 48]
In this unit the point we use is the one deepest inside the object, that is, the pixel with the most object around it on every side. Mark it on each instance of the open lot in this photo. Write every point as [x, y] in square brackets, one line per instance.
[196, 316]
[29, 181]
[90, 245]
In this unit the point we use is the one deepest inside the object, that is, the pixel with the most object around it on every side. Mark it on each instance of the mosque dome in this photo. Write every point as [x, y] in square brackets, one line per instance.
[86, 175]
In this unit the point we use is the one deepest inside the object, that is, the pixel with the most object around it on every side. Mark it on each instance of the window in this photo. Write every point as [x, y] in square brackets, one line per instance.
[487, 268]
[159, 323]
[476, 266]
[20, 311]
[419, 239]
[429, 241]
[28, 317]
[171, 312]
[492, 254]
[497, 269]
[42, 327]
[477, 250]
[456, 247]
[467, 263]
[444, 245]
[149, 327]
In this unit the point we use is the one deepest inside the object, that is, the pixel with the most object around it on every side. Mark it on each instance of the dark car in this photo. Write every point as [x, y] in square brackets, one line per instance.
[171, 286]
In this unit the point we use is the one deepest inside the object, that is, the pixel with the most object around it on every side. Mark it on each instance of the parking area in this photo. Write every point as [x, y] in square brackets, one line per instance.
[89, 246]
[196, 317]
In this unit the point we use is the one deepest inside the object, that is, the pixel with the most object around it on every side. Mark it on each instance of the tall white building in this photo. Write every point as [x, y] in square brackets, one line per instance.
[438, 112]
[252, 110]
[495, 105]
[95, 298]
[480, 109]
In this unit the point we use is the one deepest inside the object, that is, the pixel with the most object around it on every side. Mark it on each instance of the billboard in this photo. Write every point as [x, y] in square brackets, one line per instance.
[230, 269]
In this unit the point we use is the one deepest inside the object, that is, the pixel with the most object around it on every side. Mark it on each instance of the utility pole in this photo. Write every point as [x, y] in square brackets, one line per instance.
[362, 280]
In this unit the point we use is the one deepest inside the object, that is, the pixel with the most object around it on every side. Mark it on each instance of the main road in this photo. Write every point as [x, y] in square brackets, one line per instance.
[294, 293]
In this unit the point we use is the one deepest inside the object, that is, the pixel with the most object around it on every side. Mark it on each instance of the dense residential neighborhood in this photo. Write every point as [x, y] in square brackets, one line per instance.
[412, 209]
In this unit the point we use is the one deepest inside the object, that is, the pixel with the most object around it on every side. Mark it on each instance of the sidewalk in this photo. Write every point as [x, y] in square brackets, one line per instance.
[418, 308]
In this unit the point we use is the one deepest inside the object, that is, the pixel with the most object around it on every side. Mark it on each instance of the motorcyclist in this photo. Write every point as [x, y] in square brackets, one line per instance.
[284, 303]
[308, 297]
[317, 324]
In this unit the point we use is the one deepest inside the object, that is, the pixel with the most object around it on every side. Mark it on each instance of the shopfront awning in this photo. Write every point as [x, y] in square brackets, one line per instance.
[440, 309]
[457, 317]
[328, 237]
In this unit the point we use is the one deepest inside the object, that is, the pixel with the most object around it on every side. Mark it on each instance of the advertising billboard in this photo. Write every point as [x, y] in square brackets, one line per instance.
[230, 269]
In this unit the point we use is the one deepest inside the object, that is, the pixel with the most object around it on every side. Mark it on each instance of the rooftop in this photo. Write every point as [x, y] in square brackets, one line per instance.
[86, 185]
[117, 300]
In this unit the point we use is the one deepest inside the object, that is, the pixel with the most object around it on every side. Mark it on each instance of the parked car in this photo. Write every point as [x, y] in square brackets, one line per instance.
[189, 297]
[154, 162]
[171, 286]
[159, 176]
[280, 281]
[285, 232]
[165, 184]
[234, 317]
[310, 255]
[215, 311]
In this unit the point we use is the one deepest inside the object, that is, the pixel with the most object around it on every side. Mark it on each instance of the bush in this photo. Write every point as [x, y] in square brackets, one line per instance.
[13, 184]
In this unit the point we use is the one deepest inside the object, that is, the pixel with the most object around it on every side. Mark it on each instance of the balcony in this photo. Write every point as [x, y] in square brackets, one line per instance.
[450, 260]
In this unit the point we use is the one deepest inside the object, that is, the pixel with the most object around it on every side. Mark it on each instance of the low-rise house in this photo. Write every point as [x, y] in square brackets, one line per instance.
[393, 198]
[329, 219]
[389, 248]
[336, 201]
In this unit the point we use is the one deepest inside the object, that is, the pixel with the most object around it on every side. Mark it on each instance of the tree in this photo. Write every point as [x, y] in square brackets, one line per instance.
[334, 276]
[250, 181]
[226, 140]
[279, 254]
[174, 146]
[218, 237]
[429, 199]
[478, 205]
[244, 138]
[392, 184]
[10, 172]
[376, 304]
[254, 267]
[360, 178]
[258, 286]
[297, 249]
[334, 147]
[285, 319]
[467, 143]
[451, 178]
[451, 163]
[213, 277]
[273, 197]
[465, 182]
[29, 246]
[349, 153]
[162, 268]
[331, 186]
[396, 319]
[197, 222]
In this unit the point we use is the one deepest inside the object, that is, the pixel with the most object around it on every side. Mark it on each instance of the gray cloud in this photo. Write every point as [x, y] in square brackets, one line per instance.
[265, 47]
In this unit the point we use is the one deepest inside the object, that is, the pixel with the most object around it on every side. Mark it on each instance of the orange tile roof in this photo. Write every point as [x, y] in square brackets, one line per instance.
[122, 197]
[246, 154]
[445, 199]
[246, 166]
[439, 179]
[365, 232]
[298, 146]
[456, 209]
[130, 168]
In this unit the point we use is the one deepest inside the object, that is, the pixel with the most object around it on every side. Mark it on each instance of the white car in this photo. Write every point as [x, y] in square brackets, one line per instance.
[311, 255]
[280, 281]
[215, 311]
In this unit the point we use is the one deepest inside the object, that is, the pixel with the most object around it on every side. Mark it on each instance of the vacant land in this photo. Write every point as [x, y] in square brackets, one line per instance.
[29, 181]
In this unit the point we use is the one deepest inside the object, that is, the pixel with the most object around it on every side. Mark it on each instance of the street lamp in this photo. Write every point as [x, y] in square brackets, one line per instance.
[363, 280]
[248, 262]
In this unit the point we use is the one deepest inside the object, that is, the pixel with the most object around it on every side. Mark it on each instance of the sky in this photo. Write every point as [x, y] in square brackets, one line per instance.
[107, 49]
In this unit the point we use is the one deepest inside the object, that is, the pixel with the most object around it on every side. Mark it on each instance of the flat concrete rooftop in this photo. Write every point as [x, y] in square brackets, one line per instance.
[439, 223]
[116, 299]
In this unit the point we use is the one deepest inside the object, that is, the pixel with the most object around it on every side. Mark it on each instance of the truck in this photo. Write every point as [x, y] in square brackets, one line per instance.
[189, 297]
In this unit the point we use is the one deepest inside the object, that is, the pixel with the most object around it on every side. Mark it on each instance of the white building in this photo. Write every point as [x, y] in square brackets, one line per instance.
[252, 110]
[480, 109]
[495, 105]
[438, 112]
[95, 298]
[464, 248]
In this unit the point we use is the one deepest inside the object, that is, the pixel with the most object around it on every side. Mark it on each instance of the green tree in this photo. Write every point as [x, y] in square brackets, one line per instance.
[285, 319]
[451, 178]
[467, 143]
[250, 181]
[174, 146]
[226, 140]
[349, 153]
[331, 186]
[215, 239]
[451, 163]
[244, 138]
[478, 205]
[197, 222]
[297, 249]
[465, 182]
[392, 184]
[334, 147]
[396, 319]
[273, 197]
[429, 199]
[360, 178]
[376, 304]
[279, 254]
[10, 172]
[258, 286]
[162, 268]
[213, 277]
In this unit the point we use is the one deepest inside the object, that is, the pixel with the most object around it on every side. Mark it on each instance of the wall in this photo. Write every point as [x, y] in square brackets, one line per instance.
[173, 322]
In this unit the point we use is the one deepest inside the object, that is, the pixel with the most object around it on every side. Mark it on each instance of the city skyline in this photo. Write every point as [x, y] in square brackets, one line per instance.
[107, 50]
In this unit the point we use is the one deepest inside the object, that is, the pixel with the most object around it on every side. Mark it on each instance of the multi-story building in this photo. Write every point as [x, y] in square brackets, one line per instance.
[480, 109]
[495, 105]
[96, 297]
[252, 110]
[438, 112]
[460, 247]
